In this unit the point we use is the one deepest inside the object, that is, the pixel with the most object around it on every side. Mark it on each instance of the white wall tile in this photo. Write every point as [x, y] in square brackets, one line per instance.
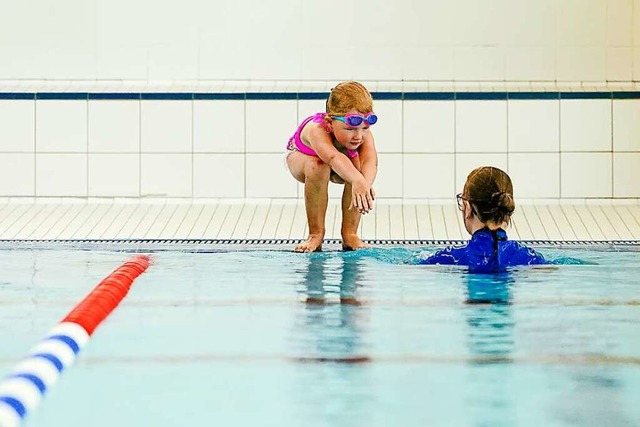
[219, 60]
[23, 64]
[67, 50]
[585, 175]
[422, 27]
[388, 130]
[619, 64]
[166, 126]
[277, 61]
[218, 175]
[636, 62]
[114, 175]
[620, 22]
[427, 63]
[581, 64]
[534, 125]
[218, 126]
[280, 183]
[388, 183]
[166, 175]
[367, 66]
[269, 125]
[636, 19]
[309, 107]
[175, 61]
[121, 46]
[479, 63]
[314, 26]
[191, 44]
[481, 126]
[429, 176]
[527, 63]
[465, 163]
[121, 61]
[582, 23]
[280, 55]
[471, 31]
[316, 67]
[37, 45]
[429, 126]
[61, 126]
[17, 174]
[626, 175]
[17, 126]
[535, 175]
[61, 175]
[382, 21]
[530, 23]
[222, 61]
[585, 125]
[114, 126]
[626, 125]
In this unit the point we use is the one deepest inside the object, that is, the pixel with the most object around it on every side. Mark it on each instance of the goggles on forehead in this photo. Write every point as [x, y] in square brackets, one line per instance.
[357, 119]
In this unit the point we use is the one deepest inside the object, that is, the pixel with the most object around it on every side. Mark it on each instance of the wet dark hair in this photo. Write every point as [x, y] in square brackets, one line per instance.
[490, 192]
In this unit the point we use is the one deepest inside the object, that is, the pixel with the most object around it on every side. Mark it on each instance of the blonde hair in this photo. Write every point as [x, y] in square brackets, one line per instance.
[490, 192]
[349, 96]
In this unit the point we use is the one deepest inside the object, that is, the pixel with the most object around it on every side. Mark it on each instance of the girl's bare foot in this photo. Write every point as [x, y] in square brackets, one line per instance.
[312, 244]
[351, 242]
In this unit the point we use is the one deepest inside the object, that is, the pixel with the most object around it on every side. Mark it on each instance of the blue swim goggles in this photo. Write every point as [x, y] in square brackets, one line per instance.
[356, 119]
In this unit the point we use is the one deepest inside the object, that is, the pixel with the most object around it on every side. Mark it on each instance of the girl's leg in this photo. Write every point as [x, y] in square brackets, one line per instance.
[314, 173]
[350, 223]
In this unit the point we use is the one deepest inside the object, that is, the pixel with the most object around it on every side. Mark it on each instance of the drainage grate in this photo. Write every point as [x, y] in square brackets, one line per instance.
[279, 242]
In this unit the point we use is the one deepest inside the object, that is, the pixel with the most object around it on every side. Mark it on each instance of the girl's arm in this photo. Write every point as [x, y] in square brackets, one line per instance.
[322, 144]
[361, 191]
[368, 159]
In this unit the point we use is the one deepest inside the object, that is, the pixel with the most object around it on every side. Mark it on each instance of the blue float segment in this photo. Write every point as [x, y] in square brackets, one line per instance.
[32, 378]
[15, 404]
[68, 341]
[51, 358]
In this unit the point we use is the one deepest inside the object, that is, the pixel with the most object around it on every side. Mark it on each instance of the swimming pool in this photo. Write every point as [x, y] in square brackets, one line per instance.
[263, 336]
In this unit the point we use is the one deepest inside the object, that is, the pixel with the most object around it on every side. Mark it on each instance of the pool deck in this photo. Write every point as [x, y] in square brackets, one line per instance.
[80, 219]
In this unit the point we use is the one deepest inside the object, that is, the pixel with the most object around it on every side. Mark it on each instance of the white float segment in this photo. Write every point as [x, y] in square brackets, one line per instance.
[8, 416]
[72, 330]
[39, 367]
[56, 348]
[23, 390]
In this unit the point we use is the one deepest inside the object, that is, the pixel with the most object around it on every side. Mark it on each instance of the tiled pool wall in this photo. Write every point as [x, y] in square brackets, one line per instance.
[101, 99]
[180, 144]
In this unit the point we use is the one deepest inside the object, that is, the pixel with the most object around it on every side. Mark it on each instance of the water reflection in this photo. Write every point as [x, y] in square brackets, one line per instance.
[333, 319]
[491, 343]
[334, 384]
[489, 315]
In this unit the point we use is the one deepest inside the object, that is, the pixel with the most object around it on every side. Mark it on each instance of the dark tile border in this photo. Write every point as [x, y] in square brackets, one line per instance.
[395, 96]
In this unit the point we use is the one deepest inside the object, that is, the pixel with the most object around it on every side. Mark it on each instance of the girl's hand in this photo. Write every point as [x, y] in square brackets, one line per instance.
[362, 196]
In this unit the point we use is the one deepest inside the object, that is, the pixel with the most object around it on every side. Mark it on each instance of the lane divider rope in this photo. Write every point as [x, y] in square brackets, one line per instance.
[24, 387]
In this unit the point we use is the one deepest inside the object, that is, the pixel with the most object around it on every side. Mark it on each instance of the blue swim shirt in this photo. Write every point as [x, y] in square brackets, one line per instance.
[487, 251]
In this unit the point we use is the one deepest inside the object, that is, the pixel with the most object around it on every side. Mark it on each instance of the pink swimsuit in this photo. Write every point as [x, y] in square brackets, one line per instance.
[295, 143]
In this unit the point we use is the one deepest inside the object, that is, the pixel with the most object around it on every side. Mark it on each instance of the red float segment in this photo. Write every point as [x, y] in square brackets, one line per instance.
[106, 296]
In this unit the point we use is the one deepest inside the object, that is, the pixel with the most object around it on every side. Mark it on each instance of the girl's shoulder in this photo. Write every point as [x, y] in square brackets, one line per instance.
[315, 123]
[320, 119]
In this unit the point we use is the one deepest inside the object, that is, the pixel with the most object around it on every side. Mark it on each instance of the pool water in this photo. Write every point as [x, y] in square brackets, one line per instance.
[366, 338]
